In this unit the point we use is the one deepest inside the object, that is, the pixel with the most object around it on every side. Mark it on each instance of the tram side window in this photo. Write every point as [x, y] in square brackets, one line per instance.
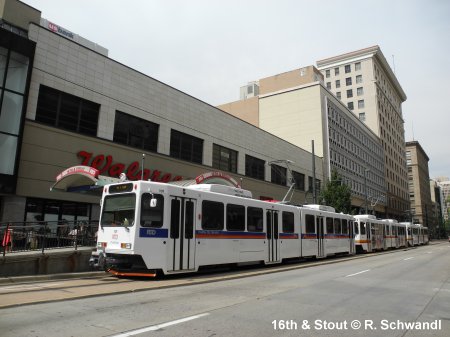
[363, 228]
[310, 224]
[255, 219]
[356, 226]
[235, 217]
[344, 226]
[288, 222]
[337, 226]
[212, 215]
[330, 228]
[152, 216]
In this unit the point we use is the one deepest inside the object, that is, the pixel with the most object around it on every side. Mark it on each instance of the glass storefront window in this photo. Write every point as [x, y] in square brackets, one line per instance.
[11, 113]
[8, 146]
[3, 55]
[17, 72]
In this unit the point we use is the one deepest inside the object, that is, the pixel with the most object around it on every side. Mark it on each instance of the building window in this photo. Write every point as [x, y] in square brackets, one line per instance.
[327, 73]
[224, 158]
[310, 184]
[358, 66]
[361, 104]
[338, 95]
[135, 132]
[338, 84]
[254, 167]
[278, 175]
[350, 105]
[299, 180]
[360, 91]
[329, 85]
[362, 116]
[349, 93]
[348, 81]
[358, 78]
[336, 71]
[68, 112]
[347, 68]
[186, 147]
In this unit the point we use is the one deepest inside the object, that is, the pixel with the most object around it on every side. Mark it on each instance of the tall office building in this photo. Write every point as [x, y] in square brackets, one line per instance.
[419, 184]
[366, 84]
[296, 106]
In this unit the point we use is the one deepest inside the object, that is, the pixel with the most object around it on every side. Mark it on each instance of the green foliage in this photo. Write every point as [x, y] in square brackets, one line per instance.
[337, 194]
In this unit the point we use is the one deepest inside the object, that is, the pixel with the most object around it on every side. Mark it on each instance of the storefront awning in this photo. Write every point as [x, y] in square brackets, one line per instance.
[81, 179]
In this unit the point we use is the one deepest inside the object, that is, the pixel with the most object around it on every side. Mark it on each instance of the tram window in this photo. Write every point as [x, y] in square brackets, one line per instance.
[255, 219]
[175, 219]
[337, 226]
[152, 216]
[356, 228]
[363, 228]
[118, 210]
[189, 221]
[330, 229]
[212, 215]
[310, 224]
[344, 226]
[235, 217]
[288, 222]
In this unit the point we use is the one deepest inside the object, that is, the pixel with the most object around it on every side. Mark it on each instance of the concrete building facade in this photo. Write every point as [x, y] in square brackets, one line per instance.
[64, 103]
[419, 184]
[366, 84]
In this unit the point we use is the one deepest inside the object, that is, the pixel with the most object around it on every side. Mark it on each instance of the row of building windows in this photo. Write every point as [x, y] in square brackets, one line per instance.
[75, 114]
[347, 69]
[348, 82]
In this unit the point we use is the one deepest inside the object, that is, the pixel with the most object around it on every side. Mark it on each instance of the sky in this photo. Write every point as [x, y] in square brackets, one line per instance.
[210, 48]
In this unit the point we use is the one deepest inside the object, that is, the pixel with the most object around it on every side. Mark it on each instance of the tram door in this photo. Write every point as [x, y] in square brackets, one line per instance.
[272, 235]
[320, 230]
[181, 250]
[351, 236]
[369, 236]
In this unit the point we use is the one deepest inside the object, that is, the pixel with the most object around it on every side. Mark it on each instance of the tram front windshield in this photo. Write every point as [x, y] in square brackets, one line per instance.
[119, 210]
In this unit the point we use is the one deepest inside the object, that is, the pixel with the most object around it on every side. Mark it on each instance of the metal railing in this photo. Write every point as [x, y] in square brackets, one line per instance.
[45, 235]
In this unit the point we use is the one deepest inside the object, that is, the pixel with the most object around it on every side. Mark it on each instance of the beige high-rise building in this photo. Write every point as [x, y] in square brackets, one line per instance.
[366, 84]
[296, 107]
[419, 184]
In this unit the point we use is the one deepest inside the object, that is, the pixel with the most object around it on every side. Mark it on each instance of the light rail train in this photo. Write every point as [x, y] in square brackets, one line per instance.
[148, 228]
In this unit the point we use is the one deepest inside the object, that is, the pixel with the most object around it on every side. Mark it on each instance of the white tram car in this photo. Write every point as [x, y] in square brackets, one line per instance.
[416, 234]
[146, 227]
[373, 234]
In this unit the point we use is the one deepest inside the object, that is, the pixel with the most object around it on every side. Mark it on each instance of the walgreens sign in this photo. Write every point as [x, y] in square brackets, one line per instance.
[107, 166]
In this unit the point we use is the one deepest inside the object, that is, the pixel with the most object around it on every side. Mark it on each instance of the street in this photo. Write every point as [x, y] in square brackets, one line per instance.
[400, 293]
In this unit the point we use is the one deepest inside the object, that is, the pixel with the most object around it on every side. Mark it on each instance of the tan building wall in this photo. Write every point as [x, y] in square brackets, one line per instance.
[289, 79]
[247, 110]
[295, 116]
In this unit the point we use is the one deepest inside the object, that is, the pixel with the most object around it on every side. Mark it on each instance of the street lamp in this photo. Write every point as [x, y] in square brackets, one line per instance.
[365, 188]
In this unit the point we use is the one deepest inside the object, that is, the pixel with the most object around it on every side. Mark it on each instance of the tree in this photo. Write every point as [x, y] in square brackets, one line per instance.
[337, 194]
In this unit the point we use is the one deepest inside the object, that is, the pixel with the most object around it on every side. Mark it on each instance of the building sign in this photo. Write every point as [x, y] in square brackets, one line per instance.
[59, 30]
[83, 170]
[106, 166]
[213, 177]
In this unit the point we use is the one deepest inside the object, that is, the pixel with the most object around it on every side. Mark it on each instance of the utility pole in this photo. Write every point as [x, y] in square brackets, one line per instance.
[365, 188]
[314, 172]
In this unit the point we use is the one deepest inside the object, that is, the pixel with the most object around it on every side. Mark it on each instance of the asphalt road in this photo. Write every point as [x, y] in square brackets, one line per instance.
[383, 293]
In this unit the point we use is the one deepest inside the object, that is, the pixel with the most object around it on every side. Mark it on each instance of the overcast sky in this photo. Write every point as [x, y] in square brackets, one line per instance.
[210, 48]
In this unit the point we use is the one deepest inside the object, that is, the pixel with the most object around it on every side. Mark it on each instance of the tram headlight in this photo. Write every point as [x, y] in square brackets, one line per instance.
[125, 245]
[101, 244]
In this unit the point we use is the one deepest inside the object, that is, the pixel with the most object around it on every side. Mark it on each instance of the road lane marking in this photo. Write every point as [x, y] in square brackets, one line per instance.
[408, 258]
[160, 326]
[364, 271]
